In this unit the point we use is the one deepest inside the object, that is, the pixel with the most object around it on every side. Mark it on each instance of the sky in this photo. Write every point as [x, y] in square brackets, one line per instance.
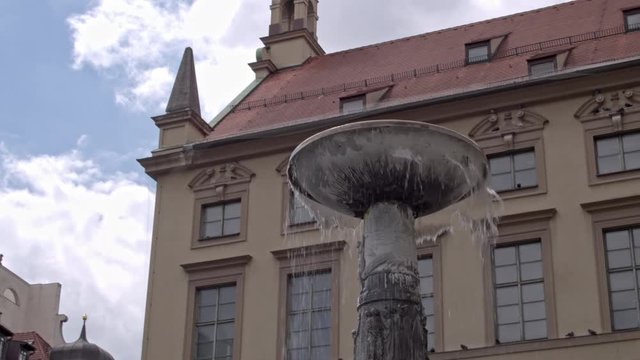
[79, 80]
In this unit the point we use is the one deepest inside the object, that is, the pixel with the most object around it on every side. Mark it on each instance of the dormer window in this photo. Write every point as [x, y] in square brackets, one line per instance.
[542, 66]
[478, 52]
[352, 104]
[632, 20]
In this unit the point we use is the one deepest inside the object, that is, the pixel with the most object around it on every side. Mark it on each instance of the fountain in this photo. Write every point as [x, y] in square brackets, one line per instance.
[388, 172]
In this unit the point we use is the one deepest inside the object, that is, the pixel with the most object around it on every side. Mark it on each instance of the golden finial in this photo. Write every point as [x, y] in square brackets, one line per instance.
[85, 317]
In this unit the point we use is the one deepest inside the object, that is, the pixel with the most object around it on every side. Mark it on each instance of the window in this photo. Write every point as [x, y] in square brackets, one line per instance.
[514, 144]
[478, 52]
[519, 293]
[298, 212]
[425, 271]
[352, 104]
[214, 309]
[623, 271]
[215, 322]
[220, 220]
[309, 294]
[618, 153]
[23, 355]
[611, 124]
[542, 66]
[221, 196]
[309, 316]
[632, 20]
[513, 170]
[3, 341]
[519, 280]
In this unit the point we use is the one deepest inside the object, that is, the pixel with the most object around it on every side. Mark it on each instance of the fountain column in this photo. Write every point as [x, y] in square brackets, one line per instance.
[390, 318]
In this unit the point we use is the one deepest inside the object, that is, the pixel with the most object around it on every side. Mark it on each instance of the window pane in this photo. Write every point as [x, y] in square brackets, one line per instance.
[524, 161]
[633, 21]
[322, 281]
[207, 297]
[507, 295]
[621, 281]
[212, 213]
[212, 229]
[631, 142]
[225, 331]
[531, 271]
[227, 311]
[508, 314]
[227, 294]
[636, 236]
[205, 333]
[320, 337]
[206, 313]
[321, 319]
[232, 210]
[321, 299]
[231, 227]
[298, 354]
[502, 182]
[425, 266]
[506, 274]
[431, 323]
[535, 330]
[299, 285]
[632, 160]
[608, 146]
[525, 178]
[352, 105]
[532, 292]
[504, 256]
[609, 164]
[616, 240]
[625, 319]
[508, 333]
[224, 349]
[530, 252]
[205, 350]
[500, 164]
[298, 322]
[542, 68]
[426, 285]
[427, 303]
[623, 300]
[534, 311]
[298, 339]
[618, 259]
[478, 53]
[321, 353]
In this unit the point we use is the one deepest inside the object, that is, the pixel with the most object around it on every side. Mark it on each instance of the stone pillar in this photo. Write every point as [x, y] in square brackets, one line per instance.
[390, 317]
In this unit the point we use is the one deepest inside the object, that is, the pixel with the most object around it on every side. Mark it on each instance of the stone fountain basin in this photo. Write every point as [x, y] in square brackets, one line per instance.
[351, 167]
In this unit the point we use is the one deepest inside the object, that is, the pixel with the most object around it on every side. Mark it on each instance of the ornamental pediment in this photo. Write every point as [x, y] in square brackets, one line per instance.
[609, 104]
[508, 122]
[225, 174]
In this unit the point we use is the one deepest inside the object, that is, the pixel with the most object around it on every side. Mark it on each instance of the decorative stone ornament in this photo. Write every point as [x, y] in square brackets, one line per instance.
[218, 177]
[613, 105]
[506, 124]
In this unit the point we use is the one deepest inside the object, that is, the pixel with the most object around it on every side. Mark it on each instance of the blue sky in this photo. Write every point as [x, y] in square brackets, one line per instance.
[79, 82]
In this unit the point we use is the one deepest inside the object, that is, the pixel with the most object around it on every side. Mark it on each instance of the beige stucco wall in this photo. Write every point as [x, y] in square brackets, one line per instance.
[463, 282]
[36, 308]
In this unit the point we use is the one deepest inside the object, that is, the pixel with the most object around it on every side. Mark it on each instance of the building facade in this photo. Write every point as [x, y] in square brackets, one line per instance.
[240, 269]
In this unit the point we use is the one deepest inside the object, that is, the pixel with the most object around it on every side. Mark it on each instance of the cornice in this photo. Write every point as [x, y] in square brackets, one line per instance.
[611, 204]
[176, 117]
[216, 264]
[304, 33]
[529, 216]
[309, 250]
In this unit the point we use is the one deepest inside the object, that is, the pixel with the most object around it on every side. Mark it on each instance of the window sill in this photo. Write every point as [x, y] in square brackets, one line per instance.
[617, 176]
[522, 192]
[538, 345]
[219, 240]
[301, 227]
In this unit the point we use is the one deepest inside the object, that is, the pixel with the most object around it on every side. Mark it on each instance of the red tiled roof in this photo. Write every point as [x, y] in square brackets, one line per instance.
[42, 348]
[432, 64]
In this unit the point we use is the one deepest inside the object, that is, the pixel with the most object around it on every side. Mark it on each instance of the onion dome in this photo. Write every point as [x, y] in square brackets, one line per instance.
[80, 349]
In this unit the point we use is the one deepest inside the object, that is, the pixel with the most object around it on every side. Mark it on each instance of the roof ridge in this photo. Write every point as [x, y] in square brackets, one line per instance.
[457, 27]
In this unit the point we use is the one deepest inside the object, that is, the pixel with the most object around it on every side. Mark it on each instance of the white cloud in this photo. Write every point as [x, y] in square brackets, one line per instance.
[89, 231]
[136, 42]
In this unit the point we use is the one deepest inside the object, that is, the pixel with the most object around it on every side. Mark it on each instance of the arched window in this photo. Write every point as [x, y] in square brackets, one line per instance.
[10, 295]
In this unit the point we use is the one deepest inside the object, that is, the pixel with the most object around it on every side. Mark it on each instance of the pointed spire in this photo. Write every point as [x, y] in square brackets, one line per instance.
[83, 333]
[185, 89]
